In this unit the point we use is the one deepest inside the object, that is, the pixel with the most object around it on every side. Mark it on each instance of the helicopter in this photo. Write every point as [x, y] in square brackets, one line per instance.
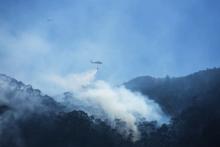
[96, 62]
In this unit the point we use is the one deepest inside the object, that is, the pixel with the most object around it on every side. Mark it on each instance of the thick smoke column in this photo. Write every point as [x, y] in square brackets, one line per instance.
[117, 102]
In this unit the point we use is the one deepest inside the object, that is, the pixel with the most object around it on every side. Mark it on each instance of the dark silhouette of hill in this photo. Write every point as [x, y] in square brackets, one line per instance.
[176, 94]
[29, 118]
[193, 102]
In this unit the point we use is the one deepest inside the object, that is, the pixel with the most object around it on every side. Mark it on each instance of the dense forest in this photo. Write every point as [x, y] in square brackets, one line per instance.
[192, 102]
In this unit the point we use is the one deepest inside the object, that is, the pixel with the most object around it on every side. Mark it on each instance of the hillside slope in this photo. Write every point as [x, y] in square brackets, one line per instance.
[30, 119]
[176, 94]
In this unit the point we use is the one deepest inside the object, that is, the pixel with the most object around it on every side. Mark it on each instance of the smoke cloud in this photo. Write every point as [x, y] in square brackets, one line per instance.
[116, 102]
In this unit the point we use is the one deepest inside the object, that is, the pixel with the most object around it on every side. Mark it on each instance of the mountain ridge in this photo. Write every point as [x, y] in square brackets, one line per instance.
[190, 86]
[193, 102]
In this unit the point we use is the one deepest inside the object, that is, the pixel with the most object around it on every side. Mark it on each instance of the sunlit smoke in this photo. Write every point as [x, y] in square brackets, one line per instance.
[116, 101]
[74, 82]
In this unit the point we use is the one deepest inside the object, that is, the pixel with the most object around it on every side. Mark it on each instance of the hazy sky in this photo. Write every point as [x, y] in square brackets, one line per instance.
[131, 37]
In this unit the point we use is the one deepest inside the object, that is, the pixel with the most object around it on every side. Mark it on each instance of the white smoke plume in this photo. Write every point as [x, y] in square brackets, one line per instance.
[116, 101]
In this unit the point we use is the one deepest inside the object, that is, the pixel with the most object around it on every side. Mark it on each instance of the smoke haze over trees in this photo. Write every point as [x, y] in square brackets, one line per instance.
[29, 118]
